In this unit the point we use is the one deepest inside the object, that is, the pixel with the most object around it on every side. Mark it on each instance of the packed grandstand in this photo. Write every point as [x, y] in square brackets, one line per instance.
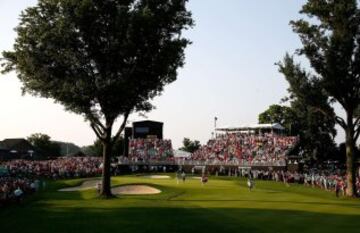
[227, 149]
[246, 149]
[150, 149]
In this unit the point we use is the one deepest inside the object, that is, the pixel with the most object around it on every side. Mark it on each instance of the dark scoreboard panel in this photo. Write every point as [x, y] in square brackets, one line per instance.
[146, 129]
[142, 129]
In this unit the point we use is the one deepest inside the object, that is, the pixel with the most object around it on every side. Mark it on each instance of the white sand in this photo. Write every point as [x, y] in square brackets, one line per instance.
[86, 185]
[125, 189]
[157, 177]
[135, 190]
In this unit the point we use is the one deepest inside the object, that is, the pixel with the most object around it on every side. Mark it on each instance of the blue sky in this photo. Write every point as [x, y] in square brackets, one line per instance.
[229, 73]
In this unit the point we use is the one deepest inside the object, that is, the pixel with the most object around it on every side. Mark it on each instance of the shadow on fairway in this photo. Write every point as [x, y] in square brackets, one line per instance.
[83, 212]
[273, 201]
[140, 220]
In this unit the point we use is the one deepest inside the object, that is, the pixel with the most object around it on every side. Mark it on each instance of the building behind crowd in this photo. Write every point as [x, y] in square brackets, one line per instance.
[16, 148]
[252, 129]
[147, 129]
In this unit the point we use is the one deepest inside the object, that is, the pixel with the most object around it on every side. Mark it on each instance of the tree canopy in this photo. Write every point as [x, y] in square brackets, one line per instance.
[315, 130]
[283, 115]
[331, 43]
[68, 148]
[44, 145]
[190, 146]
[101, 59]
[96, 148]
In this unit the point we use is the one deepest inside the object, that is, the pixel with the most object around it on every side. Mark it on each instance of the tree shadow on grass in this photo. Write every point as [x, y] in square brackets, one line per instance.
[159, 220]
[342, 204]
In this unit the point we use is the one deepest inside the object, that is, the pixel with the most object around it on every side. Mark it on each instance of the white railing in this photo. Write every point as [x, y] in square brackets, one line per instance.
[280, 163]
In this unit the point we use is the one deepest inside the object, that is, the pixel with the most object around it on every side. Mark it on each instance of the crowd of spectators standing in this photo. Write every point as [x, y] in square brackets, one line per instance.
[246, 149]
[14, 188]
[64, 167]
[150, 149]
[330, 180]
[24, 176]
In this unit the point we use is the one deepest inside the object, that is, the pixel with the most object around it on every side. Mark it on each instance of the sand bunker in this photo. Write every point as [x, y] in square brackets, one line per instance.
[157, 177]
[125, 189]
[86, 185]
[135, 190]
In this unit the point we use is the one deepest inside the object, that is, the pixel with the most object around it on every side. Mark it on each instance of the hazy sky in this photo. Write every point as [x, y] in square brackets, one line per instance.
[229, 73]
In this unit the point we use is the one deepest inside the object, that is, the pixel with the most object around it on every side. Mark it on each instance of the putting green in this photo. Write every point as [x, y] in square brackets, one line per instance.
[222, 205]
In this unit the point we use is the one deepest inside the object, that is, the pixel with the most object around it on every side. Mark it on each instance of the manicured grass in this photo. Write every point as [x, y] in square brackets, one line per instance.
[223, 205]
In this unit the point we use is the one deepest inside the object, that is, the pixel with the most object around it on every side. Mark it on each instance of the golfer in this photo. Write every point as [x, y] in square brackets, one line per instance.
[250, 183]
[204, 179]
[183, 176]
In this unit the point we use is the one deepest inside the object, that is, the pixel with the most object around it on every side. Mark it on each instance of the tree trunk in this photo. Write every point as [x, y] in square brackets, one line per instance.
[350, 166]
[106, 173]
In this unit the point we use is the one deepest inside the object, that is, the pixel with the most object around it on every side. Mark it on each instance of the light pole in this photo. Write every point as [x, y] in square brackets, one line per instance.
[215, 119]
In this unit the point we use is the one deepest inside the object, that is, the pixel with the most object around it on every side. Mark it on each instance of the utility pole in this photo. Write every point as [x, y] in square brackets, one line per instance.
[215, 119]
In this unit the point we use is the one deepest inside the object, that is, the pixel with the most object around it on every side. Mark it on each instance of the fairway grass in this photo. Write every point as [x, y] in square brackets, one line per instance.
[223, 205]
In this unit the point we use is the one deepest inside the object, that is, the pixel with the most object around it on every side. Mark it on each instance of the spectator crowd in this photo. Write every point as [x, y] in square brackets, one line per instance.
[246, 149]
[64, 167]
[327, 179]
[14, 188]
[23, 176]
[150, 149]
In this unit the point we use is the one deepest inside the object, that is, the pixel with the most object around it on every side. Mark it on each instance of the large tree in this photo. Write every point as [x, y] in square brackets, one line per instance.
[103, 59]
[331, 43]
[316, 132]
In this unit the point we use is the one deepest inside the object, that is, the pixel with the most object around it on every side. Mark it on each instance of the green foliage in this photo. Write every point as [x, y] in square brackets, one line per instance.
[44, 145]
[96, 149]
[331, 43]
[316, 131]
[67, 148]
[118, 147]
[101, 59]
[190, 146]
[283, 115]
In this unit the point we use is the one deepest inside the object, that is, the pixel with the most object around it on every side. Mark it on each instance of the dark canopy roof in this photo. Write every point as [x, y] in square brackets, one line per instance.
[18, 144]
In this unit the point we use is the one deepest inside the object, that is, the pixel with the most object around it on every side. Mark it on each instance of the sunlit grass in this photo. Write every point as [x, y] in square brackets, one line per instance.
[223, 205]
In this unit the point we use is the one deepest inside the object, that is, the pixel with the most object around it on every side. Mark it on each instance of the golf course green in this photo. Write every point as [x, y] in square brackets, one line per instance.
[224, 204]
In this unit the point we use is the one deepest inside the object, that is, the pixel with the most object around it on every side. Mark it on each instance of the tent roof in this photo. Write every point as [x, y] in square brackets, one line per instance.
[181, 154]
[275, 126]
[19, 144]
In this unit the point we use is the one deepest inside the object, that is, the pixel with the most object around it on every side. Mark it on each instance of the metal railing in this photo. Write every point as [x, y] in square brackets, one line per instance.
[280, 163]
